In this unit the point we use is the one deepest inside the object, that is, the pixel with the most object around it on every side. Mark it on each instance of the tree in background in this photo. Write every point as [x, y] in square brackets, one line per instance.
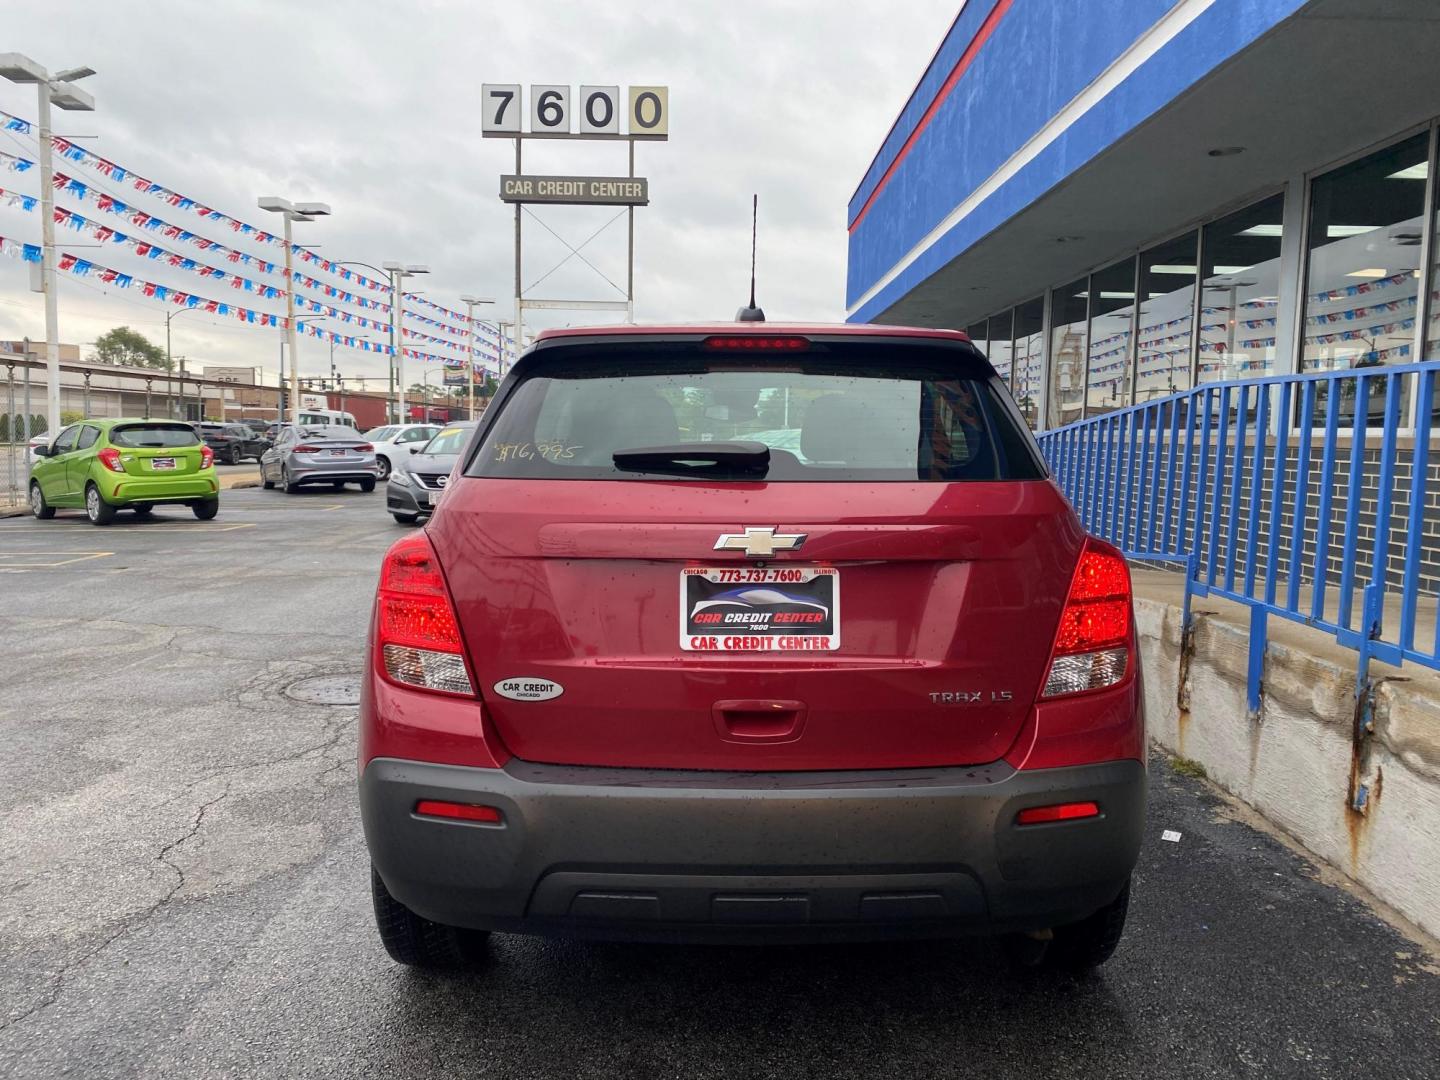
[128, 347]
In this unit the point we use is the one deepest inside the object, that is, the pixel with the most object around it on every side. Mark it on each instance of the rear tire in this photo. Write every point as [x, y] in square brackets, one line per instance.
[143, 511]
[206, 510]
[233, 458]
[367, 485]
[338, 485]
[1077, 947]
[405, 519]
[418, 942]
[97, 509]
[38, 506]
[286, 484]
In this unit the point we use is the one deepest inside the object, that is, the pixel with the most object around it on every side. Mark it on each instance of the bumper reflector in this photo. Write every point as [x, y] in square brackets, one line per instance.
[1070, 811]
[427, 668]
[458, 811]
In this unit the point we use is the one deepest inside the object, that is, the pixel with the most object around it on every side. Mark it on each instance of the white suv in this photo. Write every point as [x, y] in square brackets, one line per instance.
[393, 442]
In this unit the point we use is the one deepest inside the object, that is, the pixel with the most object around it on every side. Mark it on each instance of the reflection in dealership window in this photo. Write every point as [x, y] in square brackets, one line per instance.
[1112, 312]
[1167, 318]
[1362, 291]
[1241, 298]
[1029, 358]
[1002, 347]
[1068, 310]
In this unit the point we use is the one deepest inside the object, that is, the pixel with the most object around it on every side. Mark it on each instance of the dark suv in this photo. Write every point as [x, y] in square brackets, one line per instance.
[752, 633]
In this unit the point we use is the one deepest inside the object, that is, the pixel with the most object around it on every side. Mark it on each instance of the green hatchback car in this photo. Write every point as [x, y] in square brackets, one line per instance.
[104, 466]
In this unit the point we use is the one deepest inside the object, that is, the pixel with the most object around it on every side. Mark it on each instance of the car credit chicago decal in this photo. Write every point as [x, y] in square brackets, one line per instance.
[759, 609]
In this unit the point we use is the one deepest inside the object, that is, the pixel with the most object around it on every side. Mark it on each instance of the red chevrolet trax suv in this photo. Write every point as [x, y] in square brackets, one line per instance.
[752, 633]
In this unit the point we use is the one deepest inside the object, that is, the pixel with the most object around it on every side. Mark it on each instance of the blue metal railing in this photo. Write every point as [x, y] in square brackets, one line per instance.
[1307, 497]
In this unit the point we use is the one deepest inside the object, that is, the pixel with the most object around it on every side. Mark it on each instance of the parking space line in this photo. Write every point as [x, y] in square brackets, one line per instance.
[6, 557]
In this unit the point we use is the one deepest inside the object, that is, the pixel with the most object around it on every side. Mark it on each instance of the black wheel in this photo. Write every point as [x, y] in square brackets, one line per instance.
[97, 509]
[233, 457]
[382, 467]
[38, 506]
[338, 485]
[286, 484]
[410, 939]
[405, 519]
[206, 510]
[268, 485]
[1078, 946]
[368, 484]
[143, 511]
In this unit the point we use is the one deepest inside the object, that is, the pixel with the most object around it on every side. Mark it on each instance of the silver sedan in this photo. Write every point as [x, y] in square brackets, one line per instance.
[327, 454]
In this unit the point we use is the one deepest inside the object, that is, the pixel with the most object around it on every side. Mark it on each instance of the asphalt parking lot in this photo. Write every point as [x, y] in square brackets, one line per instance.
[183, 884]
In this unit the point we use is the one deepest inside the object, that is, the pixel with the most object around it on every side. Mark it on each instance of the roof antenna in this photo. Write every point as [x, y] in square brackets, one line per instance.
[751, 313]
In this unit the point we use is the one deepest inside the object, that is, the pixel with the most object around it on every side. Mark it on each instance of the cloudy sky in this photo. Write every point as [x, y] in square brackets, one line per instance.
[373, 107]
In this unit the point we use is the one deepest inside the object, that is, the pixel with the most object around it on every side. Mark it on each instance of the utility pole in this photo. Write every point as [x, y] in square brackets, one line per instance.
[395, 271]
[59, 90]
[470, 302]
[292, 212]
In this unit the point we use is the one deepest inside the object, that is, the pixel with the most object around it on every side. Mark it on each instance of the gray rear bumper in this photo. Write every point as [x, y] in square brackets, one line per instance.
[671, 855]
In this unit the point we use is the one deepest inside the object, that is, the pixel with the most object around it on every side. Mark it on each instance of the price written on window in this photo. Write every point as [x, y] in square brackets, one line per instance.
[594, 112]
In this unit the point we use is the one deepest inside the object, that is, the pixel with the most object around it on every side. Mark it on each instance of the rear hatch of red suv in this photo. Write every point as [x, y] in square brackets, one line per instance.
[756, 551]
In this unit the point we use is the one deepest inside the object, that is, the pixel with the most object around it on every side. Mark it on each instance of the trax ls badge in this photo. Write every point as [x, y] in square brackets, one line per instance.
[759, 543]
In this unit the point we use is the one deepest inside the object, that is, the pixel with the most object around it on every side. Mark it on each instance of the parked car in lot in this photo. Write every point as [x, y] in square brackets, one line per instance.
[645, 675]
[328, 454]
[416, 485]
[32, 447]
[232, 442]
[104, 466]
[394, 442]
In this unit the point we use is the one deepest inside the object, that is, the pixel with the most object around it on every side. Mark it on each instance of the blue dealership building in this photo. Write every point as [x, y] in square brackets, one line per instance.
[1122, 199]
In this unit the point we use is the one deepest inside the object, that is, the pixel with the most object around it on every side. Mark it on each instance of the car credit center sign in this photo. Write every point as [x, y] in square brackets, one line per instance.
[605, 190]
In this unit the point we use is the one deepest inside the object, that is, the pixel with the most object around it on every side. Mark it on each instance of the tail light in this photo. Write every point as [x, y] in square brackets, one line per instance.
[110, 458]
[1092, 645]
[1070, 811]
[365, 448]
[207, 457]
[757, 342]
[306, 448]
[417, 635]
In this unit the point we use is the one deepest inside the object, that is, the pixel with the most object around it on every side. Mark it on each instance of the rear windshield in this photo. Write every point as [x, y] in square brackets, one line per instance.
[153, 435]
[864, 412]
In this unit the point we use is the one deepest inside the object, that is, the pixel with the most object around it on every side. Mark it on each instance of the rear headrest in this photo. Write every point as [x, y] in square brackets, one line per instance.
[603, 423]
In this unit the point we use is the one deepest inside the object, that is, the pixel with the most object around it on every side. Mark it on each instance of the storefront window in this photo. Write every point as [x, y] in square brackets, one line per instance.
[1241, 275]
[1068, 311]
[1029, 358]
[1112, 312]
[1167, 318]
[1002, 346]
[1366, 225]
[976, 333]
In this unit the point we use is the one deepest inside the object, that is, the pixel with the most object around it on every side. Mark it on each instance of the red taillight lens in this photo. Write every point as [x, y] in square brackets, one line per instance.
[110, 458]
[365, 448]
[757, 343]
[418, 637]
[306, 448]
[458, 811]
[1092, 643]
[207, 457]
[1070, 811]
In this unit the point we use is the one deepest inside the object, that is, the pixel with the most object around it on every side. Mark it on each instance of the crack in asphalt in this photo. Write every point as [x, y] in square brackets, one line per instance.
[57, 985]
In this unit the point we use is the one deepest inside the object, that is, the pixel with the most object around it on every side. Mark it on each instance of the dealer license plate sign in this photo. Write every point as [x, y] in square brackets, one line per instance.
[159, 464]
[760, 609]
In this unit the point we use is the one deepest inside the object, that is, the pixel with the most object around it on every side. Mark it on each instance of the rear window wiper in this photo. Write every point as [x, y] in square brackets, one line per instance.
[696, 457]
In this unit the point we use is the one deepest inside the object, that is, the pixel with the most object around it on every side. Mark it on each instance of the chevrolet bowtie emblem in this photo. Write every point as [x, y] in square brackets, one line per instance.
[759, 543]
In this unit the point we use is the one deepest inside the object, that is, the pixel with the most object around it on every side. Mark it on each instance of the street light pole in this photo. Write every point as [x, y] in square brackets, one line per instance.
[394, 271]
[292, 212]
[58, 90]
[470, 302]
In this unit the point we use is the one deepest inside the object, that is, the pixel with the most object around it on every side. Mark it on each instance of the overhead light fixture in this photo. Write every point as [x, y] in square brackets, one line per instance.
[1107, 295]
[1369, 272]
[1337, 231]
[1413, 172]
[1225, 151]
[1263, 230]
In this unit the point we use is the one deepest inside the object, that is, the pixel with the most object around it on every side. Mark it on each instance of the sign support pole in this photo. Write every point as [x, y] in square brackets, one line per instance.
[630, 251]
[519, 316]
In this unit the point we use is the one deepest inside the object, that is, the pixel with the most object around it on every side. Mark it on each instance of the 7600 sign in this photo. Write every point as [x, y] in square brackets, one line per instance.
[592, 114]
